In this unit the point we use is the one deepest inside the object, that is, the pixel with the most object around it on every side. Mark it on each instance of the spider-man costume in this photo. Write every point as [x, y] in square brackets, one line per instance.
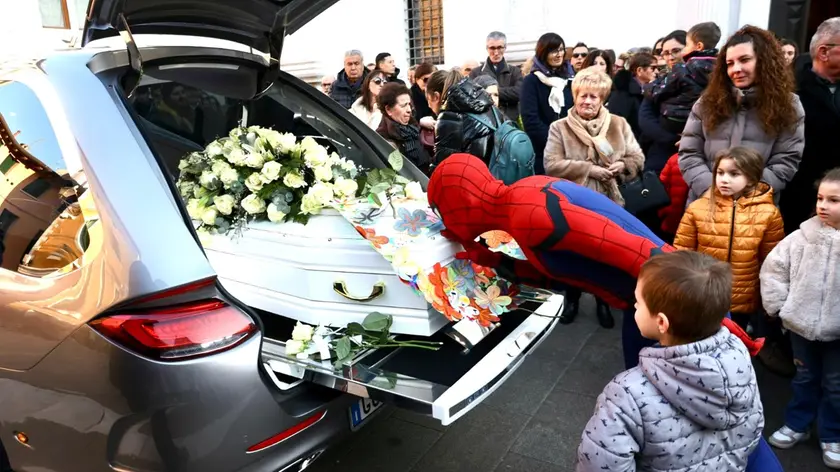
[570, 235]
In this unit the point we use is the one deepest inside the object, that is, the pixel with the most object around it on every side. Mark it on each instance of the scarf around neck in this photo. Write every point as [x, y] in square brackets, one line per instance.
[593, 134]
[556, 98]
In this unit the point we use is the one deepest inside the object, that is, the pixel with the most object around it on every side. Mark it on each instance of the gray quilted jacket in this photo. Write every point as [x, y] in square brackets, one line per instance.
[800, 281]
[698, 146]
[687, 408]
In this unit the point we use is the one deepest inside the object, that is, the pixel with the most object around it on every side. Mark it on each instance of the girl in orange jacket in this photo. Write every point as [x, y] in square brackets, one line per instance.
[735, 221]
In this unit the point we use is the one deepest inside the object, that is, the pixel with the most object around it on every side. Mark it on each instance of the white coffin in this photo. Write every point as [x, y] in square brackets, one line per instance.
[290, 269]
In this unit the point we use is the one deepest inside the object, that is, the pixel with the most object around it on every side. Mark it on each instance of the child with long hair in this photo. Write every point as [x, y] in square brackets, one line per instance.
[736, 222]
[800, 283]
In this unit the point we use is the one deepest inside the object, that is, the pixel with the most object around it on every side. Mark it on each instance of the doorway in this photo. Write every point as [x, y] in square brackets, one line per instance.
[797, 20]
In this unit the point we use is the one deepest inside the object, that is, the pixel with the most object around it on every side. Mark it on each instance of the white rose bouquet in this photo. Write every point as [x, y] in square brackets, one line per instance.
[258, 173]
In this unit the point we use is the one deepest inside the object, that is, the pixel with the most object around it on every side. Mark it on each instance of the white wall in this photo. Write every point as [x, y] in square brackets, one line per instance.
[318, 48]
[622, 24]
[21, 33]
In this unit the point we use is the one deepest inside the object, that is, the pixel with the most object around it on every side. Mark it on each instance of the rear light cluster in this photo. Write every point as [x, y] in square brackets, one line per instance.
[180, 331]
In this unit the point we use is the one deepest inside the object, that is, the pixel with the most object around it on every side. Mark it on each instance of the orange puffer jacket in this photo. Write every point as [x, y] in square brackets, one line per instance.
[743, 232]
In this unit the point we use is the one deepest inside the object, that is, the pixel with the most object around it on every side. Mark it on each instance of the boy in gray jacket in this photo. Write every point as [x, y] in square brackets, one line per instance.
[692, 404]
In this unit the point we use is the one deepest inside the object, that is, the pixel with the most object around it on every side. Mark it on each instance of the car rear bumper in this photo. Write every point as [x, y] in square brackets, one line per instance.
[100, 408]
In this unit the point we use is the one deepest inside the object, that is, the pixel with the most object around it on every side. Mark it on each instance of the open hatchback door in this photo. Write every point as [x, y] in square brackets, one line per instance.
[323, 272]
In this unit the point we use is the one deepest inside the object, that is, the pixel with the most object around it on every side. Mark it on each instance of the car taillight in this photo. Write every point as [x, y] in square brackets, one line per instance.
[177, 332]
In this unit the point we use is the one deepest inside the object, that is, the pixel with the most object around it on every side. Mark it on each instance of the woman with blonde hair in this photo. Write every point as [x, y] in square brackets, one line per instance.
[593, 148]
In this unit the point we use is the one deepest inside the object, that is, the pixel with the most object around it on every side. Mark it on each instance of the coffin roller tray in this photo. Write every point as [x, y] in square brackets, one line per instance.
[323, 272]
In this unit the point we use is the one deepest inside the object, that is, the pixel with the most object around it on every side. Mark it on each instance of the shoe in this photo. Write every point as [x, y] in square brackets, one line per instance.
[605, 317]
[773, 357]
[570, 312]
[831, 455]
[786, 438]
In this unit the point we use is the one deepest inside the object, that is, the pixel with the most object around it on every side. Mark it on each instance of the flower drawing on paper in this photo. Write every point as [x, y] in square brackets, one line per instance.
[464, 269]
[370, 235]
[496, 238]
[411, 222]
[366, 216]
[492, 299]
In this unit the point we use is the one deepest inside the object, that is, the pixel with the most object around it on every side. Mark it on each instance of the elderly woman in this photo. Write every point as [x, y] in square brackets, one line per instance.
[593, 148]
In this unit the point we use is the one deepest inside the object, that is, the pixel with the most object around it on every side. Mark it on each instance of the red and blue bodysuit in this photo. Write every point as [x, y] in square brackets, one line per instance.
[570, 235]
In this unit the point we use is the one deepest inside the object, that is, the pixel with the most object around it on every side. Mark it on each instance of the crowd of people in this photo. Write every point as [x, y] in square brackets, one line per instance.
[740, 140]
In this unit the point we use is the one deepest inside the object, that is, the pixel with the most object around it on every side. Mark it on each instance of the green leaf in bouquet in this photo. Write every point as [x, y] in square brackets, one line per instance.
[354, 329]
[379, 188]
[375, 199]
[373, 177]
[402, 180]
[343, 347]
[361, 182]
[388, 175]
[396, 160]
[376, 321]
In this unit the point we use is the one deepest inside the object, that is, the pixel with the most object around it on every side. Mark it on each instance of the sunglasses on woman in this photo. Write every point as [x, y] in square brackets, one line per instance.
[379, 80]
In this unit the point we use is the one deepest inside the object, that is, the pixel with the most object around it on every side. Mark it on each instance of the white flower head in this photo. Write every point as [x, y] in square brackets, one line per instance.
[229, 176]
[209, 216]
[214, 149]
[224, 204]
[208, 180]
[323, 173]
[294, 347]
[254, 182]
[322, 193]
[285, 142]
[414, 191]
[253, 204]
[274, 214]
[195, 208]
[294, 180]
[348, 166]
[270, 171]
[309, 205]
[219, 167]
[254, 159]
[236, 156]
[302, 332]
[346, 187]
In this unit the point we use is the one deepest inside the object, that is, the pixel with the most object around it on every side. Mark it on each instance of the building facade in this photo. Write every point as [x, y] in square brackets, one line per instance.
[448, 32]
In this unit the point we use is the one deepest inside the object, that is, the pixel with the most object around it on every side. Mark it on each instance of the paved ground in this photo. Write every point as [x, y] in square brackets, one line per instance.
[533, 422]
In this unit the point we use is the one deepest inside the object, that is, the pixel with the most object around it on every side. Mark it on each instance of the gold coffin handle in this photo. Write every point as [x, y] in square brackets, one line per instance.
[341, 288]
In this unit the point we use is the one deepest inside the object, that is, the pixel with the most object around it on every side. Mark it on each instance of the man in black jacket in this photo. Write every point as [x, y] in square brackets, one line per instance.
[626, 97]
[509, 77]
[819, 90]
[385, 63]
[348, 83]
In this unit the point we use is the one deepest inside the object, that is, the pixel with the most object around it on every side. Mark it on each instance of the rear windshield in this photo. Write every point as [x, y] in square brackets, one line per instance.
[179, 118]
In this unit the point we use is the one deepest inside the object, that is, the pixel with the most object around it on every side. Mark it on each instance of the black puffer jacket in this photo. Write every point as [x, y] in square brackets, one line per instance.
[457, 131]
[677, 92]
[625, 100]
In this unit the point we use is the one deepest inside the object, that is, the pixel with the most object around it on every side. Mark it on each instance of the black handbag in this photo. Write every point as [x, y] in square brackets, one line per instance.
[644, 193]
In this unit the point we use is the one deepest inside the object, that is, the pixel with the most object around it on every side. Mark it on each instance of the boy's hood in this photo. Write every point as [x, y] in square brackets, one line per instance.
[710, 381]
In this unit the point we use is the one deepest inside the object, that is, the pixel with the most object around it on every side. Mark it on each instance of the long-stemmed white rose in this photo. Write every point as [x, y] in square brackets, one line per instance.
[195, 208]
[345, 187]
[253, 204]
[322, 192]
[209, 216]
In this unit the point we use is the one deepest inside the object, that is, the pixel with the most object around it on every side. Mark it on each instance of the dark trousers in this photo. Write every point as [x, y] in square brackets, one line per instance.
[816, 388]
[632, 341]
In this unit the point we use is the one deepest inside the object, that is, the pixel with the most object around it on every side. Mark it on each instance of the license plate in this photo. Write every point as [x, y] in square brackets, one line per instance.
[361, 410]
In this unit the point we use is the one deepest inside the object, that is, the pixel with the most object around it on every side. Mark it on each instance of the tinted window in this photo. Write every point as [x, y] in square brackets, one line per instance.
[179, 119]
[41, 218]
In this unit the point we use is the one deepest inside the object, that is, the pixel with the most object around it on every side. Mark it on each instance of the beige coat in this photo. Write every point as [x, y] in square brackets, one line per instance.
[567, 157]
[370, 118]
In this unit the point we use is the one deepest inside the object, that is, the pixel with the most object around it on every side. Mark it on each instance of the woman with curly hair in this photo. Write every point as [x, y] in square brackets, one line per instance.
[749, 102]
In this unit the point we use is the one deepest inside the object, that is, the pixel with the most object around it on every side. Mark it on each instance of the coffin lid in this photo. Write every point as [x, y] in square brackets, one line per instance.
[260, 24]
